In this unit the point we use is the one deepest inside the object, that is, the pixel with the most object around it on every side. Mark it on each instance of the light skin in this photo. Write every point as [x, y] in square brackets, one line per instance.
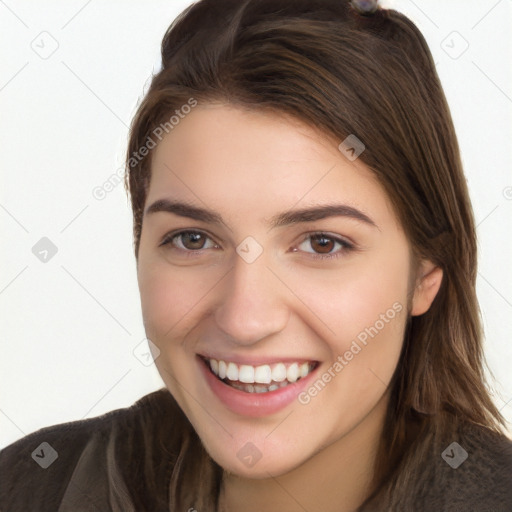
[198, 295]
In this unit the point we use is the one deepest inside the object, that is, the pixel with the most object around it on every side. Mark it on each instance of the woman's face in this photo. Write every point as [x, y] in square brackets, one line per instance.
[268, 254]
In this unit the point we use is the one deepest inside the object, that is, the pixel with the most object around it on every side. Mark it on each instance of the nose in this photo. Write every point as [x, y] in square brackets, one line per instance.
[252, 305]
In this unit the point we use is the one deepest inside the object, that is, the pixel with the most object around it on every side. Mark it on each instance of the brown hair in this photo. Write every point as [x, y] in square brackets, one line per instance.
[344, 72]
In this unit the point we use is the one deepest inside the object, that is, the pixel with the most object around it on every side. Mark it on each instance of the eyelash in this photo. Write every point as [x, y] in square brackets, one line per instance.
[345, 245]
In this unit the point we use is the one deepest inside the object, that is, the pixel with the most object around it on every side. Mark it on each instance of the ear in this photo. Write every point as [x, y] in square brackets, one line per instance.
[428, 282]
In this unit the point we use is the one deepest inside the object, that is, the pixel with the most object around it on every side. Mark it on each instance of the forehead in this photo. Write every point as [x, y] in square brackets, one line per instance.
[246, 160]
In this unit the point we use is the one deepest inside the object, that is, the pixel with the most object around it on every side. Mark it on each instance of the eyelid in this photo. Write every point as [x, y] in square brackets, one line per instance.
[337, 238]
[168, 238]
[347, 245]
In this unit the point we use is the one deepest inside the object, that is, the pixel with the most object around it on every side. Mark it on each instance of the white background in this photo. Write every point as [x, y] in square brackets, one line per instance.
[69, 326]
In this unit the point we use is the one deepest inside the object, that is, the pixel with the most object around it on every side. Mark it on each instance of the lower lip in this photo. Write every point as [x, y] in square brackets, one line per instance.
[254, 404]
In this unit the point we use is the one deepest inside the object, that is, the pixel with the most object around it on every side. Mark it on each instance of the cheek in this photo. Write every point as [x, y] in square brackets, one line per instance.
[373, 305]
[165, 299]
[170, 301]
[173, 298]
[356, 297]
[364, 307]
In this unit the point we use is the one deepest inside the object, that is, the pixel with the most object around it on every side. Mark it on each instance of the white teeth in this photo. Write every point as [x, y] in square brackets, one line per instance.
[232, 371]
[222, 370]
[263, 374]
[279, 372]
[246, 374]
[304, 369]
[293, 372]
[249, 388]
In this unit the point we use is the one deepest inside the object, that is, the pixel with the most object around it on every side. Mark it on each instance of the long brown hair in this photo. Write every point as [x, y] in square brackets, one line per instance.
[344, 72]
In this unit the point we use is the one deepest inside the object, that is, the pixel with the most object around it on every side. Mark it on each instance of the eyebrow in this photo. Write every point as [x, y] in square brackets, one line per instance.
[184, 210]
[282, 219]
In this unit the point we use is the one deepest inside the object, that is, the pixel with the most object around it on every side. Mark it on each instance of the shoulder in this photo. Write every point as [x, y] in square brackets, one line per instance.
[474, 471]
[36, 470]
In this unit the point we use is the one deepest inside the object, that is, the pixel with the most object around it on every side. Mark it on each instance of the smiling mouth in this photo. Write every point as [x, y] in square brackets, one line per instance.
[259, 379]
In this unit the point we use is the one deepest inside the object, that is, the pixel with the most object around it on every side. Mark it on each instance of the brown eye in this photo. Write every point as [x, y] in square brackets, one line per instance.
[189, 241]
[322, 244]
[192, 240]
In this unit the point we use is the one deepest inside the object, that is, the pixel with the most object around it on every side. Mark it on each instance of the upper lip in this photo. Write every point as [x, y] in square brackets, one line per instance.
[256, 361]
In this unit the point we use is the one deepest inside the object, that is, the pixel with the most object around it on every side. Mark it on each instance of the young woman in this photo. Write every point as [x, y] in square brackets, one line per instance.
[306, 259]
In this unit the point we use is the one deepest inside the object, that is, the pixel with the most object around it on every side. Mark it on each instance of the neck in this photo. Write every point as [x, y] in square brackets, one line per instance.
[338, 478]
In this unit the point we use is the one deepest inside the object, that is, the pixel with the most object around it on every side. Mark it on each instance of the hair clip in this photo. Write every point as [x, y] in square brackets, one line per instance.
[365, 7]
